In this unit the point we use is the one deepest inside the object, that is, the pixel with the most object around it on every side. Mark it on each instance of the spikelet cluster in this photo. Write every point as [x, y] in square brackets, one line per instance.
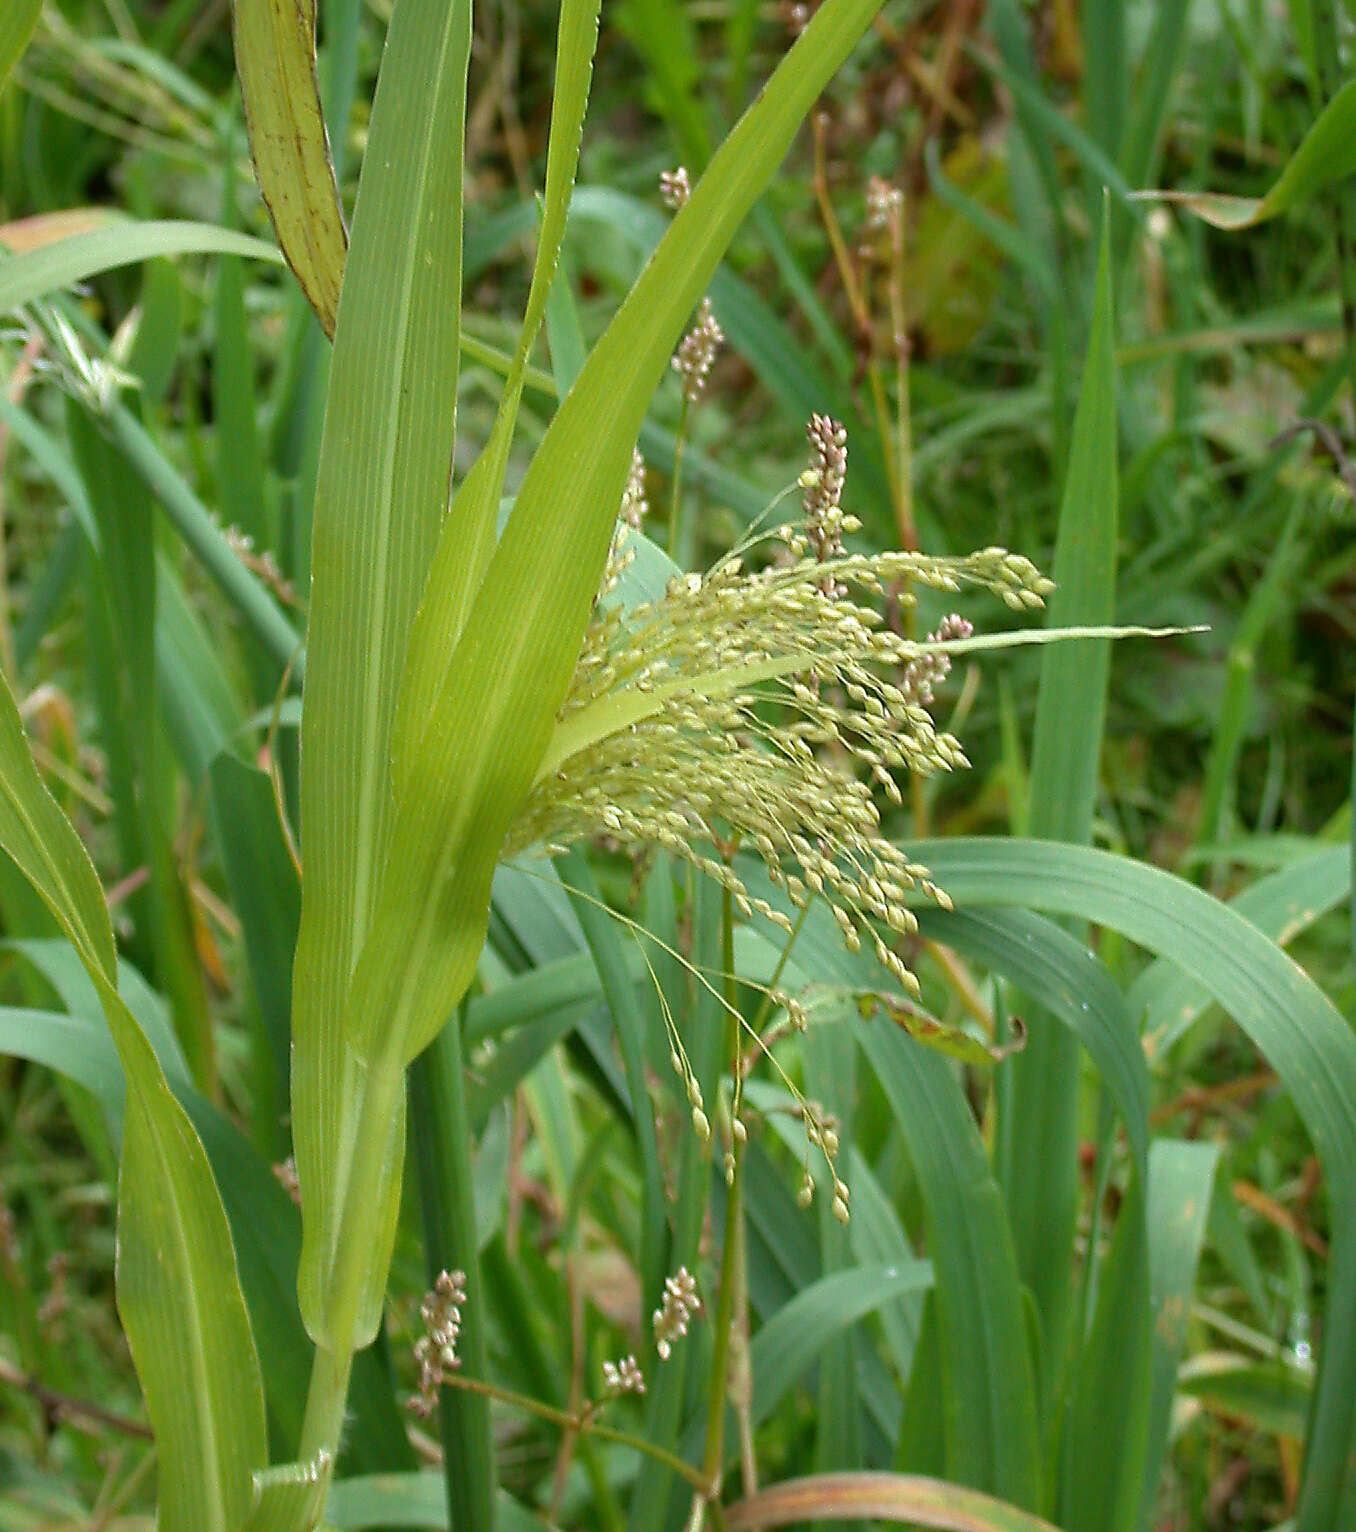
[635, 507]
[761, 708]
[674, 188]
[673, 1317]
[697, 352]
[623, 1377]
[436, 1349]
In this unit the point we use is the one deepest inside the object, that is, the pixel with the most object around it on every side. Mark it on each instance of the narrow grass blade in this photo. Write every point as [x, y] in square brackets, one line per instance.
[1148, 105]
[178, 1287]
[442, 1144]
[916, 1501]
[464, 549]
[818, 1317]
[122, 242]
[266, 893]
[830, 1064]
[275, 59]
[125, 597]
[989, 1398]
[16, 27]
[1180, 1179]
[380, 501]
[1327, 155]
[1037, 1155]
[1106, 1430]
[1281, 906]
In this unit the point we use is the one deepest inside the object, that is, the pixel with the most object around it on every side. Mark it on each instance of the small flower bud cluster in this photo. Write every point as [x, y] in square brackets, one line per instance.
[263, 564]
[436, 1350]
[286, 1174]
[882, 202]
[825, 520]
[634, 509]
[928, 671]
[675, 188]
[624, 1377]
[672, 1318]
[697, 352]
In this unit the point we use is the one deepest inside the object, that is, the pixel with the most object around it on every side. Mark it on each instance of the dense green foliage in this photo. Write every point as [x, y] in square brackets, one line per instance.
[1100, 1265]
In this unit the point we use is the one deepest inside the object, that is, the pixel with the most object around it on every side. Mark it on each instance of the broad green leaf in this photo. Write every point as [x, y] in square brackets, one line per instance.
[275, 58]
[819, 1317]
[381, 495]
[1272, 1398]
[16, 27]
[178, 1288]
[497, 703]
[890, 1497]
[122, 242]
[467, 541]
[1037, 1149]
[1327, 154]
[265, 1226]
[1167, 1001]
[1295, 1026]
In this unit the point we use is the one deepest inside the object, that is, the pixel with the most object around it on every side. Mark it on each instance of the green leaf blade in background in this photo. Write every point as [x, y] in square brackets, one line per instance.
[42, 271]
[177, 1282]
[1326, 155]
[275, 59]
[380, 500]
[1037, 1134]
[16, 27]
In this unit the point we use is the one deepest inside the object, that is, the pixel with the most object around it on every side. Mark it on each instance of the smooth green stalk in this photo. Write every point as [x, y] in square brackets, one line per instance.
[442, 1142]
